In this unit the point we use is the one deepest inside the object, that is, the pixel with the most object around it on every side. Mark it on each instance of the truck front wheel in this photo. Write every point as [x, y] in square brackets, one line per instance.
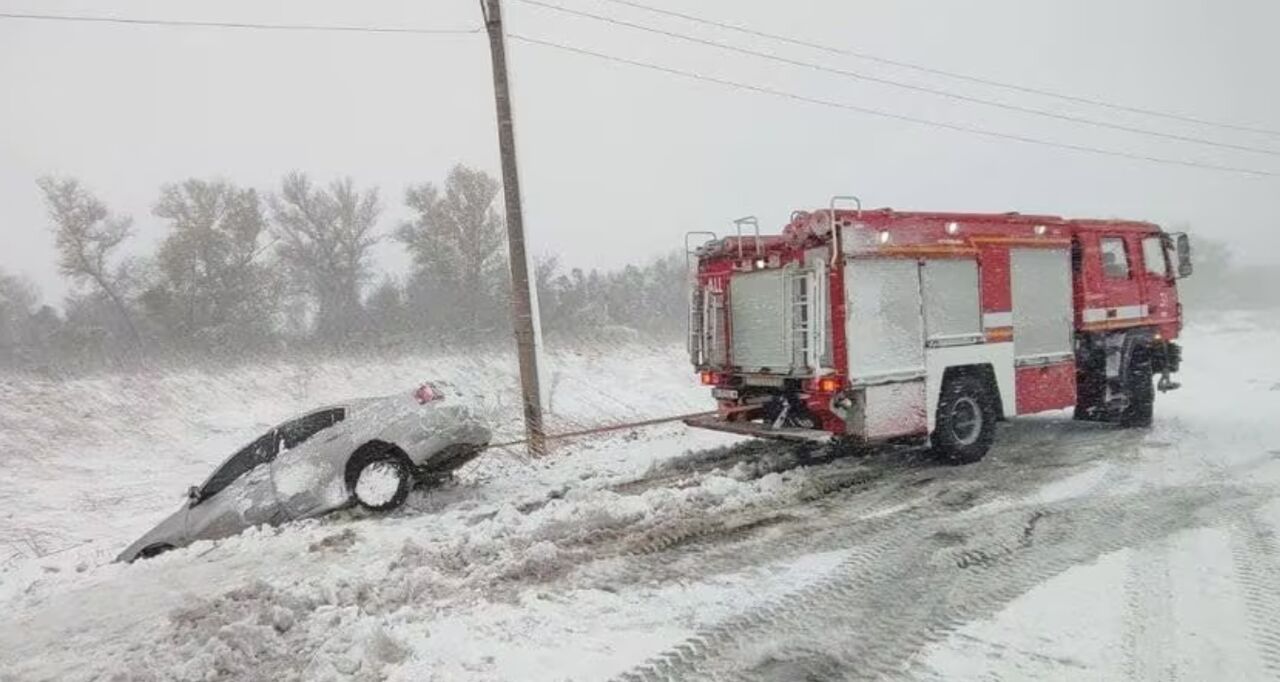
[966, 420]
[1142, 395]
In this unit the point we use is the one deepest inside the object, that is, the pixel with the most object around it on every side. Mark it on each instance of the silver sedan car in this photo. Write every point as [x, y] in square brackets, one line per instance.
[368, 452]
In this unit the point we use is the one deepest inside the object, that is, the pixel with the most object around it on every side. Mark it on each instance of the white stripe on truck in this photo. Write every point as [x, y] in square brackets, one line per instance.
[994, 320]
[1124, 312]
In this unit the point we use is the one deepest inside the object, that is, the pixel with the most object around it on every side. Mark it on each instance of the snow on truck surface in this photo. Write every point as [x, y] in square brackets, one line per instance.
[879, 325]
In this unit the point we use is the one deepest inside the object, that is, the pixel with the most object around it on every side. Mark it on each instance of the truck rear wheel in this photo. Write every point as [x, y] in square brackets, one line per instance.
[966, 420]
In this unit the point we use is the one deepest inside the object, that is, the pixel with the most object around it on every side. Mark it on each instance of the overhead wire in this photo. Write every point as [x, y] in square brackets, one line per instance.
[886, 114]
[866, 56]
[898, 84]
[238, 24]
[672, 71]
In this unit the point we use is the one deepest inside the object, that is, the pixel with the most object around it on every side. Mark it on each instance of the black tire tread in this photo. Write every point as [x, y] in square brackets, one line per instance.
[955, 387]
[1142, 394]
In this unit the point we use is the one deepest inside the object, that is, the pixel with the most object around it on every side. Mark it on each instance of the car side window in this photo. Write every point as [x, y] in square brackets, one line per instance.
[1153, 257]
[258, 452]
[1115, 258]
[296, 432]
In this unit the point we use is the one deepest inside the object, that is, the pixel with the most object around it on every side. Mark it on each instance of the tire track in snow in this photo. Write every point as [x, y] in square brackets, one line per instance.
[682, 531]
[1148, 639]
[787, 611]
[845, 499]
[1257, 566]
[916, 586]
[1256, 561]
[1068, 534]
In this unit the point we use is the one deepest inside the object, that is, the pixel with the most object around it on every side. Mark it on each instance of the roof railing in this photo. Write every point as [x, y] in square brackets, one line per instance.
[749, 220]
[835, 229]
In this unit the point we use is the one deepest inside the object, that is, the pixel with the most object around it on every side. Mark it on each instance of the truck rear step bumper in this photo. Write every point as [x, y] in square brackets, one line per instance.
[760, 430]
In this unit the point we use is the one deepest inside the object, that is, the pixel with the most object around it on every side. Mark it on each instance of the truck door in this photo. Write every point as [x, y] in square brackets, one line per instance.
[1116, 267]
[1159, 293]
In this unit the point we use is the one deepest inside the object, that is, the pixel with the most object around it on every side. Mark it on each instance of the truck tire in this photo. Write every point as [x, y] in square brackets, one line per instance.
[1139, 375]
[1091, 388]
[966, 420]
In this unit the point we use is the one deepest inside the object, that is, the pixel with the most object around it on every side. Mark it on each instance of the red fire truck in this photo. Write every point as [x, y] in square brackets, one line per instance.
[879, 325]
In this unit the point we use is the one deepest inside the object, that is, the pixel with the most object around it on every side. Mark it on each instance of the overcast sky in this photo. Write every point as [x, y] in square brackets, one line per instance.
[618, 162]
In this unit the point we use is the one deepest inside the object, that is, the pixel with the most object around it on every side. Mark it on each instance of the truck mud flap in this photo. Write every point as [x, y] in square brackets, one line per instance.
[760, 430]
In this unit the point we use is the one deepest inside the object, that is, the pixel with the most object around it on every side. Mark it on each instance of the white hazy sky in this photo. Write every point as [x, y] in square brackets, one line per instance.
[617, 162]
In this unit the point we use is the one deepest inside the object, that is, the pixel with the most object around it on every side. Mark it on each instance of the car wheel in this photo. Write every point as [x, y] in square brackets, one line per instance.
[153, 551]
[382, 482]
[966, 421]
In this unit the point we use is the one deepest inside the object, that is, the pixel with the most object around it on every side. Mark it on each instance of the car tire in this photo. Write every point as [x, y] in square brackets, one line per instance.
[152, 551]
[381, 482]
[966, 421]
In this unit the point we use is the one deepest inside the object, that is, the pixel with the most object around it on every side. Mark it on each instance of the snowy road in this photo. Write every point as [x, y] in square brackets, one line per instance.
[1074, 551]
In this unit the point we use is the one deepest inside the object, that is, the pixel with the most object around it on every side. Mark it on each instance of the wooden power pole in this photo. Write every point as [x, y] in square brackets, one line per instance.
[525, 319]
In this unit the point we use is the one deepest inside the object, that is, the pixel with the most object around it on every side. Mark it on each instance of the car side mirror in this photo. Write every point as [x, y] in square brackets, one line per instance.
[193, 494]
[1182, 245]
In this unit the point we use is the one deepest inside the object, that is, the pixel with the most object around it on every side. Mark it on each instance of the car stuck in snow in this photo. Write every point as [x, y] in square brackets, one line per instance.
[368, 452]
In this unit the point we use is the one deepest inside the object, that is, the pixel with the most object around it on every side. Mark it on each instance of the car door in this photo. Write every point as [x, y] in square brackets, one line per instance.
[308, 473]
[238, 495]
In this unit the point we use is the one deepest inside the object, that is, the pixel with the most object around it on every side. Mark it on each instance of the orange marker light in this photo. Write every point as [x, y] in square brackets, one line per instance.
[708, 378]
[828, 385]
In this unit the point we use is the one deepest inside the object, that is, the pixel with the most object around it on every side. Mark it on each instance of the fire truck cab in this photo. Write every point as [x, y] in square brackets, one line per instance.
[879, 325]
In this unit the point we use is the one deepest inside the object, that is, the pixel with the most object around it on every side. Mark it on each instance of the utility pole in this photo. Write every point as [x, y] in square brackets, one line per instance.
[525, 318]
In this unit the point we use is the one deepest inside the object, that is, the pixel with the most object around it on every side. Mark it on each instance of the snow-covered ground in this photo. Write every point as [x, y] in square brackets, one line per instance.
[1074, 551]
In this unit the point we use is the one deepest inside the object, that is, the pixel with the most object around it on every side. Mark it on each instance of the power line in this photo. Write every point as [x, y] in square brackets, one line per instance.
[238, 24]
[888, 114]
[900, 84]
[949, 74]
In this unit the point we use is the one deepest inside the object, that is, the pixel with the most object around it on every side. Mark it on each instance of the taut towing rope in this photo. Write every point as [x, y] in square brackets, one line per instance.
[603, 429]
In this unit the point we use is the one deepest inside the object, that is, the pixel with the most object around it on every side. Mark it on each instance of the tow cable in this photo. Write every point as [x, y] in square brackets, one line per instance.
[602, 429]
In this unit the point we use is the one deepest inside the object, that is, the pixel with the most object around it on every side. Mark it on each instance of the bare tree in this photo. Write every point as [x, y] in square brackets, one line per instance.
[87, 236]
[457, 242]
[325, 240]
[213, 283]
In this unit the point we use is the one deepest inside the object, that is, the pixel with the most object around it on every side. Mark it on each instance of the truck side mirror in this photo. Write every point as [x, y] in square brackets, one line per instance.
[1182, 245]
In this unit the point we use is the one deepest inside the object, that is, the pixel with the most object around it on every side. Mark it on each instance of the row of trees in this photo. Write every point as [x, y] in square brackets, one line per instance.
[237, 270]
